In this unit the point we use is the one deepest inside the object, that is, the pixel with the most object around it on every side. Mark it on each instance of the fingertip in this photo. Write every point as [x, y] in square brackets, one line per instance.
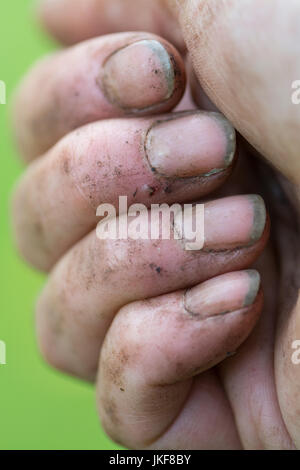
[146, 74]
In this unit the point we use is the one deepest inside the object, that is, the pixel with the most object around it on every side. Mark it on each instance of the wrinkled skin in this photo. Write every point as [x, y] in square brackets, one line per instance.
[158, 383]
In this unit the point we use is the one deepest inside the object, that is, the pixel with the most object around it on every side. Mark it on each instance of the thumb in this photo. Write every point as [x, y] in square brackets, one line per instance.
[245, 55]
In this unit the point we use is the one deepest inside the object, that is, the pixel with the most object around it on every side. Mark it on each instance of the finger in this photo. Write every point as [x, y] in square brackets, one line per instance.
[154, 348]
[121, 74]
[287, 346]
[287, 360]
[205, 410]
[72, 21]
[248, 377]
[97, 277]
[178, 158]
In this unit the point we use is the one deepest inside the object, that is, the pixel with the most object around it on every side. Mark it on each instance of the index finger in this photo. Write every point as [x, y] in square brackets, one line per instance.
[111, 76]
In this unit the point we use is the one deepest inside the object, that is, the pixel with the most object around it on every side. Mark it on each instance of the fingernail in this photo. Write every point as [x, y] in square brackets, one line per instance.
[234, 222]
[191, 144]
[226, 224]
[223, 294]
[138, 76]
[259, 217]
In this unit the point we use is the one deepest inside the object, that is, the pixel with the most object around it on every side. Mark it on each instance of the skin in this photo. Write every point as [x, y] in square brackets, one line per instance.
[94, 168]
[255, 114]
[252, 397]
[81, 93]
[99, 277]
[93, 16]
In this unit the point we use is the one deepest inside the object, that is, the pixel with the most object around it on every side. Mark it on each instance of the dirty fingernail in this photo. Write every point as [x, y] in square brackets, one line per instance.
[259, 216]
[225, 224]
[223, 294]
[233, 222]
[191, 144]
[138, 76]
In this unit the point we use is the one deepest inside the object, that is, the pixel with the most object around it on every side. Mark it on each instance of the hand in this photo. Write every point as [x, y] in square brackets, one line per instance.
[188, 430]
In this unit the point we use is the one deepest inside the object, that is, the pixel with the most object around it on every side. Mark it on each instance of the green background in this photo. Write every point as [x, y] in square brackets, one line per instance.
[39, 408]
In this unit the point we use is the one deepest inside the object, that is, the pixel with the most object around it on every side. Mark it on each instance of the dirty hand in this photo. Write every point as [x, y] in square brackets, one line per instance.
[153, 390]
